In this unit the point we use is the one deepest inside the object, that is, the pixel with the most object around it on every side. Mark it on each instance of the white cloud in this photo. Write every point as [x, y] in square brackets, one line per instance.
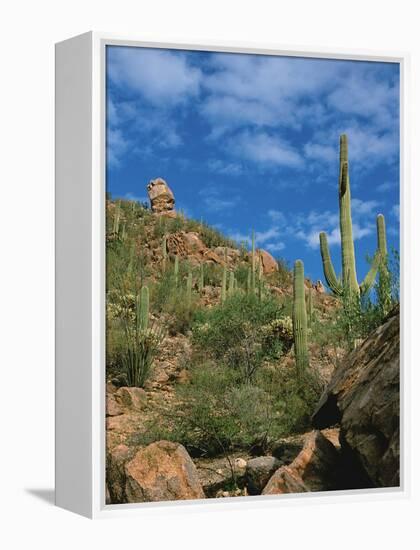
[275, 247]
[396, 211]
[263, 236]
[117, 146]
[387, 186]
[160, 76]
[227, 168]
[265, 150]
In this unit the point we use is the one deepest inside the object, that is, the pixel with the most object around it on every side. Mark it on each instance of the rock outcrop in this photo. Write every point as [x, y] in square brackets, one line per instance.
[314, 469]
[363, 397]
[269, 264]
[162, 200]
[162, 471]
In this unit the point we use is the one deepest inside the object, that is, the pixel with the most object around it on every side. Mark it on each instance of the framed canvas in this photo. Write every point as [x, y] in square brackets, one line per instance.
[228, 297]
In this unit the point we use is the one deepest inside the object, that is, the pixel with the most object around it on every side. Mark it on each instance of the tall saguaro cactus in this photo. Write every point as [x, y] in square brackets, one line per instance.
[348, 281]
[300, 330]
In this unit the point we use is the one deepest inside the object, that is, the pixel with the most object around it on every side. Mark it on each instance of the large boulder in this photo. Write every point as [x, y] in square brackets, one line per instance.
[162, 199]
[269, 264]
[314, 469]
[115, 473]
[364, 398]
[162, 471]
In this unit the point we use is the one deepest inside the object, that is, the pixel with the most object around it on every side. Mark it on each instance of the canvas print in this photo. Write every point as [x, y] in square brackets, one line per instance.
[252, 275]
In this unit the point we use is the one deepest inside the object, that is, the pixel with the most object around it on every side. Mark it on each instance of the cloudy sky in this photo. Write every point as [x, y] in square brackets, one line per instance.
[251, 142]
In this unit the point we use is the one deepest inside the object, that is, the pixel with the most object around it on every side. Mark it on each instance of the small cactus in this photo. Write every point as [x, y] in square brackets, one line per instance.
[223, 289]
[253, 263]
[189, 288]
[300, 333]
[164, 254]
[201, 279]
[117, 213]
[231, 283]
[176, 270]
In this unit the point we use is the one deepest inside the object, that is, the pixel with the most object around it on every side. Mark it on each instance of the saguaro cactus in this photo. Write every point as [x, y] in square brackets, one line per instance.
[310, 307]
[223, 289]
[164, 254]
[348, 263]
[300, 332]
[189, 287]
[253, 263]
[231, 289]
[201, 279]
[117, 213]
[176, 270]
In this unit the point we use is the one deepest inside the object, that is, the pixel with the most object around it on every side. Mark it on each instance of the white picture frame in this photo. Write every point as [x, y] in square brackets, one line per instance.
[80, 276]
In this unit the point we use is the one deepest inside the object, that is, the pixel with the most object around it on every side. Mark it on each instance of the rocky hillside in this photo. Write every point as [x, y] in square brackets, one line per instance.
[220, 412]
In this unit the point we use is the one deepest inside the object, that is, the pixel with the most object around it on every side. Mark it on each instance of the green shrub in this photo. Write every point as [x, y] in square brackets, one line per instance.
[233, 332]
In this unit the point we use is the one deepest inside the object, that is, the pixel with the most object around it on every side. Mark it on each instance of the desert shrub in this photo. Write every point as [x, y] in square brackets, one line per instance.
[216, 413]
[172, 299]
[233, 332]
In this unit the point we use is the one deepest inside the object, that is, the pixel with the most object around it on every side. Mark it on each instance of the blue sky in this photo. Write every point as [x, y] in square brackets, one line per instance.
[251, 142]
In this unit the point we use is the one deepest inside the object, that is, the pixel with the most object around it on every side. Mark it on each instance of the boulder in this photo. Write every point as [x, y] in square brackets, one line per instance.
[363, 397]
[162, 471]
[314, 469]
[269, 264]
[319, 287]
[112, 407]
[162, 199]
[131, 398]
[115, 473]
[258, 472]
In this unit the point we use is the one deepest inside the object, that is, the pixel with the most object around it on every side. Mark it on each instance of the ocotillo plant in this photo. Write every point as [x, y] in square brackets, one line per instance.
[299, 319]
[164, 254]
[189, 287]
[176, 270]
[223, 289]
[143, 309]
[348, 263]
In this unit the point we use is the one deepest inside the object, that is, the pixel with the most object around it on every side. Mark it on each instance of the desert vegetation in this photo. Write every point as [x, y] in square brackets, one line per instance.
[228, 350]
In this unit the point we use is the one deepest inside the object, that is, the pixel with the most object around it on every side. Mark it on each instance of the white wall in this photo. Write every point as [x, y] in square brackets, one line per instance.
[28, 32]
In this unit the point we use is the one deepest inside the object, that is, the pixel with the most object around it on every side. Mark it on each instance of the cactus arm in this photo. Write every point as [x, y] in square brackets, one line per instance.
[328, 267]
[380, 255]
[300, 333]
[371, 274]
[253, 263]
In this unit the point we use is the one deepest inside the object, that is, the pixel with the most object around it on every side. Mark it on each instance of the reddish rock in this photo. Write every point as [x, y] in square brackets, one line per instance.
[269, 264]
[131, 398]
[115, 473]
[314, 468]
[112, 407]
[162, 471]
